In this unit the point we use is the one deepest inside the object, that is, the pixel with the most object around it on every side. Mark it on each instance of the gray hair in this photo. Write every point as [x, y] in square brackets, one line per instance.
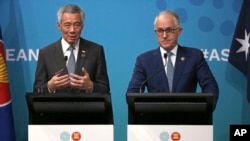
[70, 8]
[175, 16]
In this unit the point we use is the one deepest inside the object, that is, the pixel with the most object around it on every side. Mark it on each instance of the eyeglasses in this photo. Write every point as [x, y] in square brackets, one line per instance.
[169, 31]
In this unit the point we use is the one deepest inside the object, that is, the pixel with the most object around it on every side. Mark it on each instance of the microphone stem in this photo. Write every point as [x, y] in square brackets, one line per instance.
[150, 77]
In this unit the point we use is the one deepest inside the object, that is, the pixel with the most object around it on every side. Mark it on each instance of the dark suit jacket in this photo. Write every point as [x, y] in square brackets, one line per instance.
[190, 69]
[51, 59]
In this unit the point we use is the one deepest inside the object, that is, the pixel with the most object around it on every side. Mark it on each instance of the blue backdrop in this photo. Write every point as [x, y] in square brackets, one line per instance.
[125, 29]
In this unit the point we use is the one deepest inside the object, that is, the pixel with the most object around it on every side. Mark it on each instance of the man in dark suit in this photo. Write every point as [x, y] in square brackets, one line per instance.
[188, 64]
[89, 72]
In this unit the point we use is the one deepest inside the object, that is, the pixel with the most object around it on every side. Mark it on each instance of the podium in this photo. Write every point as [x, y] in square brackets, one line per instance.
[170, 116]
[69, 116]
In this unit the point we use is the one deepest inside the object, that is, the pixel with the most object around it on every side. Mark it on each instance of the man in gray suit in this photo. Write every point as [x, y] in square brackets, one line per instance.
[89, 72]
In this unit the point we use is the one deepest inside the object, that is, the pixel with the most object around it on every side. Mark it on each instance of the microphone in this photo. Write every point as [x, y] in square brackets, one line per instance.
[152, 76]
[39, 89]
[65, 58]
[61, 70]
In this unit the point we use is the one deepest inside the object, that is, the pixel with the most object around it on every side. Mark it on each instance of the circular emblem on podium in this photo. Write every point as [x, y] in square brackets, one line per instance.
[65, 136]
[164, 136]
[76, 136]
[175, 136]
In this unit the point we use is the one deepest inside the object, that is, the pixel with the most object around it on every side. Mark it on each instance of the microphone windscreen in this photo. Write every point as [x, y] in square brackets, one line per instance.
[65, 58]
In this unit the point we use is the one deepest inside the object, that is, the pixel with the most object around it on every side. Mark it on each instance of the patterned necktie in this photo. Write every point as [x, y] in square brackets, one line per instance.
[71, 61]
[170, 71]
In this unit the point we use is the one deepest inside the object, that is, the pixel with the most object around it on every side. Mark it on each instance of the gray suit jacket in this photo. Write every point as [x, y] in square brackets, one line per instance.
[51, 59]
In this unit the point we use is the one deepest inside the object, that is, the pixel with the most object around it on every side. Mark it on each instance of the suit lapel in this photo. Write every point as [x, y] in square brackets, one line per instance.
[81, 57]
[162, 74]
[58, 52]
[179, 64]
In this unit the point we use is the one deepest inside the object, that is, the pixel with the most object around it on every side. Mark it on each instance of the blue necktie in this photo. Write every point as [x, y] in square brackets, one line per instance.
[170, 71]
[71, 61]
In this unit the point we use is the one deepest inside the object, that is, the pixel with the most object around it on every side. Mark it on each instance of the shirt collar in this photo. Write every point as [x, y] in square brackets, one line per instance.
[174, 51]
[65, 45]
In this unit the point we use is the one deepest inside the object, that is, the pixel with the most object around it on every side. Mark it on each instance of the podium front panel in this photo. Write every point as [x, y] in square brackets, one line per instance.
[170, 132]
[70, 132]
